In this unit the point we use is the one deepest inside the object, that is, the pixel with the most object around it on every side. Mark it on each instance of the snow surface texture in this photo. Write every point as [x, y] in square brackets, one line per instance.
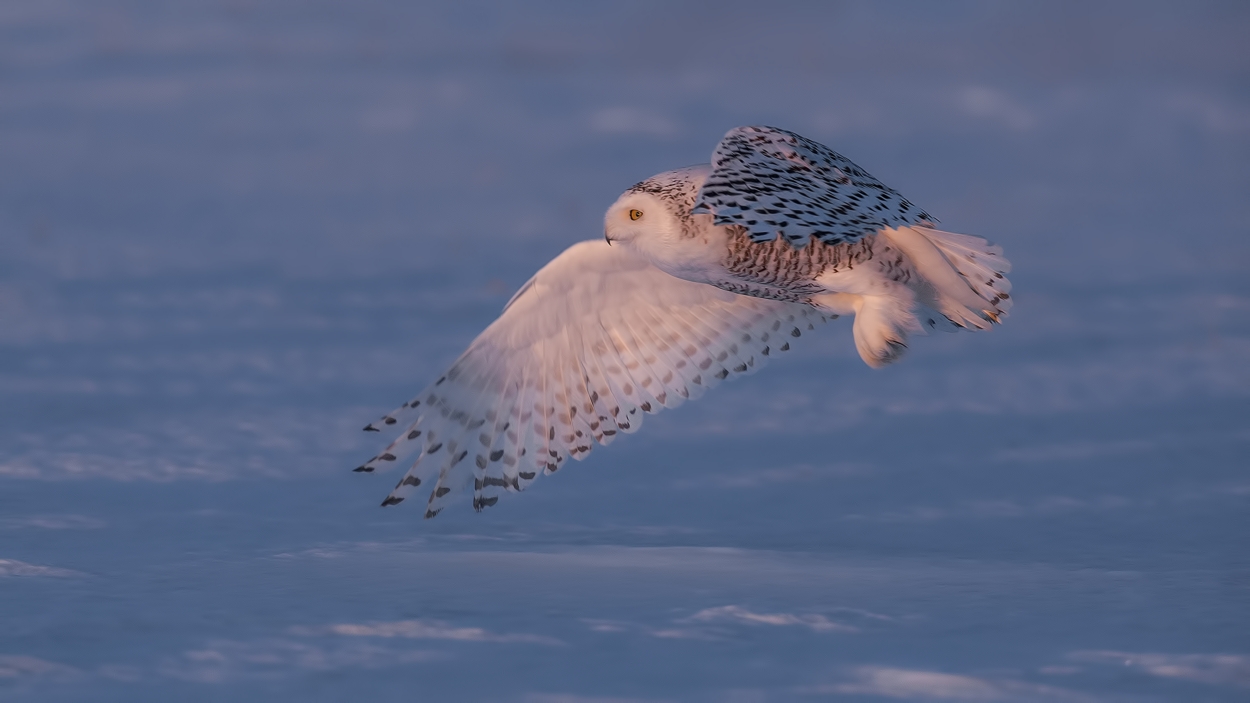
[232, 233]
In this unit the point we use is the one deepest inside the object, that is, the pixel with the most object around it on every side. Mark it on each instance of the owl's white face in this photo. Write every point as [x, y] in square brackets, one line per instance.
[642, 221]
[654, 221]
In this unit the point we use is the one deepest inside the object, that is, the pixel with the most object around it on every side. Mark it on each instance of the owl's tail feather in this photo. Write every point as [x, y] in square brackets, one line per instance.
[962, 277]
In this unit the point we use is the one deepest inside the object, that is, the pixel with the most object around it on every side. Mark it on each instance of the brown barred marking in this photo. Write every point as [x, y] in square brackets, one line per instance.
[894, 265]
[778, 271]
[764, 292]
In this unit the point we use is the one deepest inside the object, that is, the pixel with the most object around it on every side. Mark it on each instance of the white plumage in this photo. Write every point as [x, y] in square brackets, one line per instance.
[706, 273]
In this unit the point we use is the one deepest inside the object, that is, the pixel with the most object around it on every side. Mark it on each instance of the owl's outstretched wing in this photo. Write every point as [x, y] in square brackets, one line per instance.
[772, 182]
[597, 339]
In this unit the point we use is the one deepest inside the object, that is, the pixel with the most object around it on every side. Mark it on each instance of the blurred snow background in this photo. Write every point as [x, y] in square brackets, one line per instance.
[233, 232]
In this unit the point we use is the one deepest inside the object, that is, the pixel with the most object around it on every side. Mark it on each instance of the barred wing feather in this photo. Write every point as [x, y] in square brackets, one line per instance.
[598, 339]
[771, 181]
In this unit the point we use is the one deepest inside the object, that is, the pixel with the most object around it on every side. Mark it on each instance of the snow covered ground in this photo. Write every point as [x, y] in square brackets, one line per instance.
[232, 233]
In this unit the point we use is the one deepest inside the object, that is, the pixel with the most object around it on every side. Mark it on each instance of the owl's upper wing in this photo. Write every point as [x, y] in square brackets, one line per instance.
[598, 338]
[772, 182]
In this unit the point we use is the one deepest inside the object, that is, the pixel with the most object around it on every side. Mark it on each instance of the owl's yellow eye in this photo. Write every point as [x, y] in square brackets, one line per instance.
[635, 214]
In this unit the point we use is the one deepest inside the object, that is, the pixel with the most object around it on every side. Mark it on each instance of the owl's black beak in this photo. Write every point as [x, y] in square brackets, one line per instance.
[606, 238]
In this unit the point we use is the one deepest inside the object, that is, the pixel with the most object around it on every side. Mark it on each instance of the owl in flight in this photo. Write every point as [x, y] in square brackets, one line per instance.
[703, 273]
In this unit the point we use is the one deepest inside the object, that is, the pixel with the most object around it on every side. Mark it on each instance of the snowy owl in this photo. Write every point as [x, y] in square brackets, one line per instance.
[703, 273]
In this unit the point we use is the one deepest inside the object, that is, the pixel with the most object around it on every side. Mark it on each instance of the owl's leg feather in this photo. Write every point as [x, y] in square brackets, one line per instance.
[882, 324]
[883, 320]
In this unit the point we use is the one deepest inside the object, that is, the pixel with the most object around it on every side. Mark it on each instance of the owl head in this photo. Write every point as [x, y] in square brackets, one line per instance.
[653, 219]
